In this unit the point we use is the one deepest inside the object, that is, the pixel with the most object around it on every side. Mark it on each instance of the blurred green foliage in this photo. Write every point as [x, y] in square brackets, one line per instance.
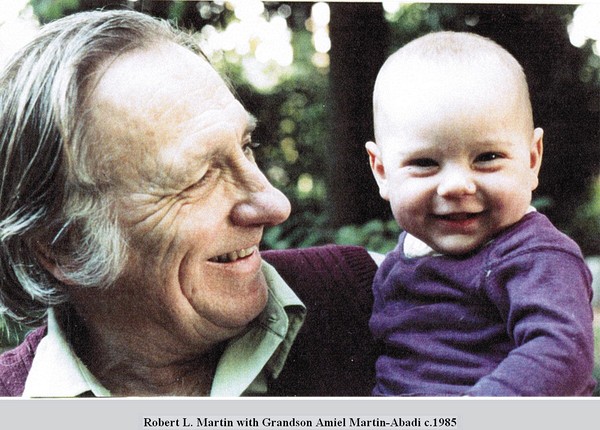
[49, 10]
[11, 333]
[586, 222]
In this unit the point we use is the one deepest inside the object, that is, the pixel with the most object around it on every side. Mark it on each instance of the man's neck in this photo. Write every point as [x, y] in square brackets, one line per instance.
[124, 377]
[138, 365]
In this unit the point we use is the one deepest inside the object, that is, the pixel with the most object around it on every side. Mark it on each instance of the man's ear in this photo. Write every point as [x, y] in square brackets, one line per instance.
[536, 151]
[49, 262]
[378, 168]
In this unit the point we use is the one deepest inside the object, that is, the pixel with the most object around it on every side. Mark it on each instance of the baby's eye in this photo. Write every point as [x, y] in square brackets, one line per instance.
[422, 162]
[486, 157]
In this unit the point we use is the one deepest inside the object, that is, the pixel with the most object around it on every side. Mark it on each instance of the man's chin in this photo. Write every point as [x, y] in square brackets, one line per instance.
[243, 309]
[256, 302]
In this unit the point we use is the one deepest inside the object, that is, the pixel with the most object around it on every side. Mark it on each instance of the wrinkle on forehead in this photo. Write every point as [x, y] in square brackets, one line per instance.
[204, 139]
[148, 99]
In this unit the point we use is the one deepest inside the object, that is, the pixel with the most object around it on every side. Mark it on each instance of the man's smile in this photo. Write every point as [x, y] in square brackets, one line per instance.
[232, 256]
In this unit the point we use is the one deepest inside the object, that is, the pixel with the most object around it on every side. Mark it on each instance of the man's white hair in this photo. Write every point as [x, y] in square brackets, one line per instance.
[52, 205]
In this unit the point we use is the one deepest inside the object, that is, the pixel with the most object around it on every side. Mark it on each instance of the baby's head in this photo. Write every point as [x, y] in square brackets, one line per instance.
[456, 154]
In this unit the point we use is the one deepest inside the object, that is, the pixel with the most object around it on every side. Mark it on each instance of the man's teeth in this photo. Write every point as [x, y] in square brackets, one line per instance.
[233, 256]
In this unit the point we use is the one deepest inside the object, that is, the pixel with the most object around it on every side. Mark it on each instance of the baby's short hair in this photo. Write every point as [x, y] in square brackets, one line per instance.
[439, 50]
[446, 45]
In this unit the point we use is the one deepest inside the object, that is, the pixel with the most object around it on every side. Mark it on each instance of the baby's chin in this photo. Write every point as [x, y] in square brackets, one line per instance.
[458, 248]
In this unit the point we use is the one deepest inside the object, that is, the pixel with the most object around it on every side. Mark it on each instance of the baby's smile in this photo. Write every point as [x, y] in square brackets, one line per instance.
[457, 216]
[459, 221]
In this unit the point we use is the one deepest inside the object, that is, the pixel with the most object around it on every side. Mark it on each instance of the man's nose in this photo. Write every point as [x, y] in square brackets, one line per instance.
[456, 183]
[261, 204]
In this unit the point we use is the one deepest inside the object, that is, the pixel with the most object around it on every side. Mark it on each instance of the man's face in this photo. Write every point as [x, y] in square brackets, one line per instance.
[192, 203]
[456, 163]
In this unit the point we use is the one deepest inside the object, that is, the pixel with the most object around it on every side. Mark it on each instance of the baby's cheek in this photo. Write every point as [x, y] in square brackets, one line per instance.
[404, 218]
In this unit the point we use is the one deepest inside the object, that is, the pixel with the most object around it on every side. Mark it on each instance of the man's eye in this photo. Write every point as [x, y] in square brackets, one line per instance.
[249, 148]
[486, 157]
[200, 182]
[422, 162]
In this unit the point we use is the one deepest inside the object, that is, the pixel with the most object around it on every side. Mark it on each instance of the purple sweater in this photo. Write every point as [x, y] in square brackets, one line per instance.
[513, 319]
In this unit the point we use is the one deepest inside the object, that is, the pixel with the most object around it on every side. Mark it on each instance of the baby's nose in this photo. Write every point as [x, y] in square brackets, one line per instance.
[456, 184]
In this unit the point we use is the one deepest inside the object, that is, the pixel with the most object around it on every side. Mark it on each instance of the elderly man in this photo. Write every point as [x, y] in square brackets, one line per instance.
[131, 210]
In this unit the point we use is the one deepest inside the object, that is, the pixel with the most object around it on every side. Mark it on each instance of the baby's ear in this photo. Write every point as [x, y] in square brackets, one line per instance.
[536, 151]
[378, 168]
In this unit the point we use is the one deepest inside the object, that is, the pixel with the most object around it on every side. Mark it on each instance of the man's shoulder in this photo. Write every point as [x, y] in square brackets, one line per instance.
[334, 353]
[16, 363]
[350, 267]
[353, 259]
[319, 253]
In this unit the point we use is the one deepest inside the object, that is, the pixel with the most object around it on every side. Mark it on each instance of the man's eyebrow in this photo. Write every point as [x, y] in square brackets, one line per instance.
[252, 122]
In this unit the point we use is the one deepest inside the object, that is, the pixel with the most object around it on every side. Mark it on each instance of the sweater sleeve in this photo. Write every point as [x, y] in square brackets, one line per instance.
[544, 296]
[16, 364]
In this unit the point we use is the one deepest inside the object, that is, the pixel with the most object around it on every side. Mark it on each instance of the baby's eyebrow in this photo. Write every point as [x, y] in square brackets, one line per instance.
[492, 143]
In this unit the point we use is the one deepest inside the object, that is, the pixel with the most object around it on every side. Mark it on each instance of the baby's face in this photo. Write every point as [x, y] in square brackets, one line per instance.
[456, 167]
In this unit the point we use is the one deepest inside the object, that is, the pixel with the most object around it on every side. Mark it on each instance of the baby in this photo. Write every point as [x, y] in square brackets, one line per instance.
[482, 296]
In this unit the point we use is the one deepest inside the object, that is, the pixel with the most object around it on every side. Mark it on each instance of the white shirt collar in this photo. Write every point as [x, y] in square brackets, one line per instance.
[56, 370]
